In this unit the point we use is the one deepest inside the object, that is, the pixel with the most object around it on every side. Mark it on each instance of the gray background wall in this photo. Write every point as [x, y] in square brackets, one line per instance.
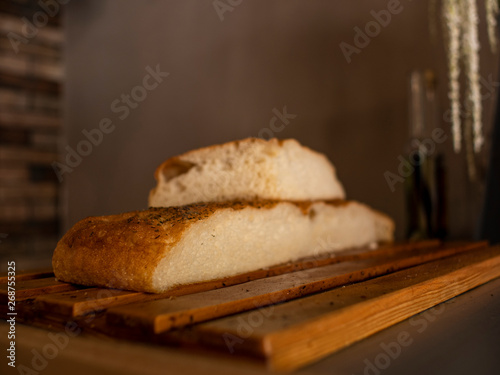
[227, 76]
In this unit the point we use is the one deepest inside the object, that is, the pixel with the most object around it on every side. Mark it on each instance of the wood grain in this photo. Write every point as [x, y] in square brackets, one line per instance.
[37, 274]
[168, 313]
[35, 287]
[366, 291]
[80, 302]
[298, 332]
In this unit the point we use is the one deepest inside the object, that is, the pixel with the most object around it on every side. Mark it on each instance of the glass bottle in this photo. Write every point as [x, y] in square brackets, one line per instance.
[425, 186]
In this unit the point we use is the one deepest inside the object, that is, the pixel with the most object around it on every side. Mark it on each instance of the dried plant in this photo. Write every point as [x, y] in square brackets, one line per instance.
[491, 19]
[461, 21]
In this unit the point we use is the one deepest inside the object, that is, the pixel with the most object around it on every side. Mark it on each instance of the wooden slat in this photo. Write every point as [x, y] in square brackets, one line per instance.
[80, 302]
[164, 314]
[298, 332]
[38, 274]
[290, 334]
[311, 262]
[32, 288]
[76, 303]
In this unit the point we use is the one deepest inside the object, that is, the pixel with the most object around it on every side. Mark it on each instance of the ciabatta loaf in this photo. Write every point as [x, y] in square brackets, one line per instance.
[246, 170]
[159, 248]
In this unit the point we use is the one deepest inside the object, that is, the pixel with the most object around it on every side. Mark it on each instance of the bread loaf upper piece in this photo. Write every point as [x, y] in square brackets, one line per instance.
[159, 248]
[249, 169]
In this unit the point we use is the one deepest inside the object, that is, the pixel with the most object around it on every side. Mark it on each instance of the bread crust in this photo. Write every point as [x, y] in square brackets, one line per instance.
[122, 251]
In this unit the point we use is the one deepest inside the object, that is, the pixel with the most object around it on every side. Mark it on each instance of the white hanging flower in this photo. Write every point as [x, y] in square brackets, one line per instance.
[491, 19]
[461, 20]
[471, 60]
[453, 24]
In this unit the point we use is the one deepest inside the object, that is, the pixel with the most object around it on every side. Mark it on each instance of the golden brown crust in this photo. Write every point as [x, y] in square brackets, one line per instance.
[122, 251]
[173, 167]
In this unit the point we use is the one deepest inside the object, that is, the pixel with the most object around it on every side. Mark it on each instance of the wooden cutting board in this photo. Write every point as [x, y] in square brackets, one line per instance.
[286, 316]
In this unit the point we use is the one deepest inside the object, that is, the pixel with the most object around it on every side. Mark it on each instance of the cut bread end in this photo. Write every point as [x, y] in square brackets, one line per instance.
[249, 169]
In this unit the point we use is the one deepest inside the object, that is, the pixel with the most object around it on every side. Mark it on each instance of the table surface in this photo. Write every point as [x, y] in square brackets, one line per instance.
[460, 336]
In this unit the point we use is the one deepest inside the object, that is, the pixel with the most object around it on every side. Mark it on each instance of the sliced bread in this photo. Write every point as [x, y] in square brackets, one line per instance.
[249, 169]
[159, 248]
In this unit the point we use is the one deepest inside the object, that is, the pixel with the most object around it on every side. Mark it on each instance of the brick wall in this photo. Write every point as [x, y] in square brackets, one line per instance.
[31, 72]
